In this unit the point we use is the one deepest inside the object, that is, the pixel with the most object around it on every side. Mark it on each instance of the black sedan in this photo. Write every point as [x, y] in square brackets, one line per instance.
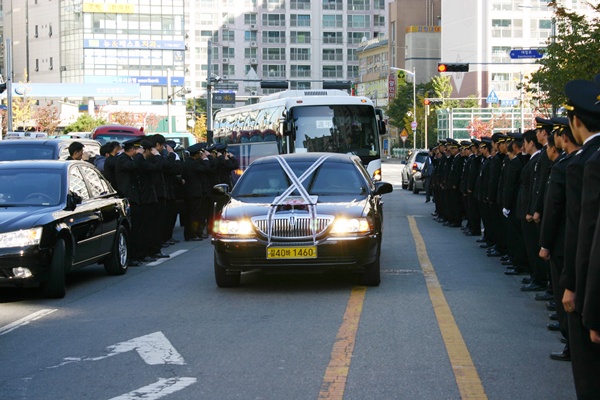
[300, 213]
[55, 217]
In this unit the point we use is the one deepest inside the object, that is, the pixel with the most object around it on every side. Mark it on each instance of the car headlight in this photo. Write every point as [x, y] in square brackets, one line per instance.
[241, 227]
[350, 225]
[22, 238]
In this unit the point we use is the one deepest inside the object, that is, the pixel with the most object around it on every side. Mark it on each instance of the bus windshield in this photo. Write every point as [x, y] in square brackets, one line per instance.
[338, 128]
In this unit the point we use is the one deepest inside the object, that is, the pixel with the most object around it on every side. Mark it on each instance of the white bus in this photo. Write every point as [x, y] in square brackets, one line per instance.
[295, 121]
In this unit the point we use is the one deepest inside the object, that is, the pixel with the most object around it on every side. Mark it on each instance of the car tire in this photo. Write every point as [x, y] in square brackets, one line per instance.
[415, 190]
[224, 279]
[55, 286]
[372, 274]
[117, 261]
[404, 185]
[411, 184]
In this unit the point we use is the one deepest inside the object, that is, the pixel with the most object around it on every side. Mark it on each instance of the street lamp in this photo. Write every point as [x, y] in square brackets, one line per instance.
[414, 123]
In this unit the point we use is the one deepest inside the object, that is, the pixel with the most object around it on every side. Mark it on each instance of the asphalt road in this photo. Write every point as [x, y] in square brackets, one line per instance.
[166, 330]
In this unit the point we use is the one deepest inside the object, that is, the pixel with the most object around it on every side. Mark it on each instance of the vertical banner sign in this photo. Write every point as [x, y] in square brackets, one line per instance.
[391, 86]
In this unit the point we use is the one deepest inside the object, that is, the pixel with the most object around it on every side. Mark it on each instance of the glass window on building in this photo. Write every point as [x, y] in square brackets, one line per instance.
[333, 21]
[299, 54]
[332, 55]
[300, 4]
[300, 20]
[273, 37]
[250, 36]
[299, 37]
[229, 52]
[351, 55]
[250, 19]
[272, 19]
[209, 35]
[228, 18]
[250, 52]
[359, 21]
[300, 85]
[359, 5]
[206, 19]
[273, 4]
[501, 82]
[501, 53]
[379, 4]
[333, 71]
[273, 71]
[332, 38]
[300, 71]
[273, 54]
[356, 37]
[228, 35]
[503, 5]
[379, 20]
[352, 71]
[332, 5]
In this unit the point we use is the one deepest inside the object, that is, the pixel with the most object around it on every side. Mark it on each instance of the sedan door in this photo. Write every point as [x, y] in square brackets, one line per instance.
[86, 220]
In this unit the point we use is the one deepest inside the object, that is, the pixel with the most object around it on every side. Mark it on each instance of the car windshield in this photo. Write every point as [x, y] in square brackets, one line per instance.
[32, 187]
[421, 157]
[330, 179]
[30, 152]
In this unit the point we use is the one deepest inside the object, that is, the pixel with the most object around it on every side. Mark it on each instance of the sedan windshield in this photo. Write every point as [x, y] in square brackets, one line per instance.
[29, 187]
[330, 179]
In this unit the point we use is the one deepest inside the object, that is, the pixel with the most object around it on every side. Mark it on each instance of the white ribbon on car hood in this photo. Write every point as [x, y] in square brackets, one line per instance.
[296, 184]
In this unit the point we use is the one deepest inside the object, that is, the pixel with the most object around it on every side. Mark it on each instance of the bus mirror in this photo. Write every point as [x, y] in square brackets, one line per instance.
[382, 127]
[286, 128]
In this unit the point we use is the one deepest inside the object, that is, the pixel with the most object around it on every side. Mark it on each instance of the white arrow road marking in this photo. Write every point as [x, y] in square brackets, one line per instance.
[158, 389]
[162, 260]
[155, 349]
[24, 321]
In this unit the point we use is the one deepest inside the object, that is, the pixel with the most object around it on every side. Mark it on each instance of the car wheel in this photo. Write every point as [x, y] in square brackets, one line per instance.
[56, 285]
[404, 185]
[410, 184]
[224, 279]
[116, 263]
[415, 189]
[372, 274]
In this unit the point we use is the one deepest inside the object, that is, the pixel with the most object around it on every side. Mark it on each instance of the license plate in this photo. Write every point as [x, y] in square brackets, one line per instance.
[282, 253]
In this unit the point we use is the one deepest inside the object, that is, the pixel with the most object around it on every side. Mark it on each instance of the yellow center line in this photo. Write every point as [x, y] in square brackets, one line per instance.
[334, 381]
[467, 378]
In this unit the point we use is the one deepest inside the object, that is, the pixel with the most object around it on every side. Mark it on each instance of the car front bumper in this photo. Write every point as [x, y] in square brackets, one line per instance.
[348, 253]
[35, 260]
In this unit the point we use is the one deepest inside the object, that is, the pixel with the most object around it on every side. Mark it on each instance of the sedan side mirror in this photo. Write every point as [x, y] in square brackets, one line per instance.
[383, 188]
[221, 189]
[73, 199]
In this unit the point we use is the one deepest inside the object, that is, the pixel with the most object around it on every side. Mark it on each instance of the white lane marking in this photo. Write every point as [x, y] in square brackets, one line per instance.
[155, 349]
[162, 260]
[159, 389]
[24, 321]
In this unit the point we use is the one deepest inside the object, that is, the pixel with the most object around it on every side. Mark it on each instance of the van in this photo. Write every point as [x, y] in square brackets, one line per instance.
[119, 133]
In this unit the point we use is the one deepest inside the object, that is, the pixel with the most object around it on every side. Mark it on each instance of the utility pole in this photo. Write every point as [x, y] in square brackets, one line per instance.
[208, 92]
[9, 110]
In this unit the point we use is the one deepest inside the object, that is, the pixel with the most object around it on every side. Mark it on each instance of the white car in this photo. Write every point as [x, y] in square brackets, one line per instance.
[411, 173]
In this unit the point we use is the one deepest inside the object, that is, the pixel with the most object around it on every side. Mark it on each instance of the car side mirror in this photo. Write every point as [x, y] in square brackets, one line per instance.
[383, 188]
[221, 189]
[403, 162]
[73, 199]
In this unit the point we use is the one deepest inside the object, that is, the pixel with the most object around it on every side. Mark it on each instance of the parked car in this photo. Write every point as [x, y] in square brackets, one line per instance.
[43, 149]
[55, 217]
[333, 219]
[413, 166]
[119, 133]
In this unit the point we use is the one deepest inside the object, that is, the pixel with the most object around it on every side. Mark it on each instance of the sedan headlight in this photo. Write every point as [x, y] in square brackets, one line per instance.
[241, 227]
[22, 238]
[344, 225]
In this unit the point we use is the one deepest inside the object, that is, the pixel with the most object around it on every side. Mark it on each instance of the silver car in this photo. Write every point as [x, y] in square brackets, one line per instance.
[411, 173]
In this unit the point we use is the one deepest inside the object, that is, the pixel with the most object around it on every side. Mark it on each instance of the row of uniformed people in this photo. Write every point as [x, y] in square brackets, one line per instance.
[537, 195]
[148, 172]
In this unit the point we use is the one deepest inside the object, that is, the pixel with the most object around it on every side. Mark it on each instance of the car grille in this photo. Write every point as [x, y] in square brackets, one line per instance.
[292, 226]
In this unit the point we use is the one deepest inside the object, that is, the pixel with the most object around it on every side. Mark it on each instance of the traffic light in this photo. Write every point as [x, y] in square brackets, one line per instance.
[453, 67]
[426, 102]
[2, 87]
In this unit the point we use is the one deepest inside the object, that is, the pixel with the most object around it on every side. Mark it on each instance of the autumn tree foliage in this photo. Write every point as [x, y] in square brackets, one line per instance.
[85, 123]
[199, 129]
[47, 119]
[126, 118]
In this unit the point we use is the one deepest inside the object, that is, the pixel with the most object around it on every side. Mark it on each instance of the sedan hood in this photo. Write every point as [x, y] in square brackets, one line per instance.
[15, 218]
[327, 205]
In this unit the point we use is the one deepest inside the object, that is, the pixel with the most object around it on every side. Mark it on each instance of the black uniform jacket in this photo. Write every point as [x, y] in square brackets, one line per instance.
[526, 188]
[512, 176]
[552, 232]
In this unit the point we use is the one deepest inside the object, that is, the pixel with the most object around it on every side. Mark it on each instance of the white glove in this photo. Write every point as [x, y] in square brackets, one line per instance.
[505, 212]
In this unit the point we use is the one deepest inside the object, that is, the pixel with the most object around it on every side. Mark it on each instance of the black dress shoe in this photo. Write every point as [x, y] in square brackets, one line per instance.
[134, 263]
[469, 233]
[194, 239]
[173, 241]
[434, 214]
[505, 258]
[532, 287]
[481, 240]
[494, 254]
[526, 281]
[485, 245]
[161, 255]
[553, 317]
[454, 225]
[148, 259]
[553, 326]
[563, 340]
[551, 306]
[507, 263]
[512, 271]
[564, 355]
[543, 296]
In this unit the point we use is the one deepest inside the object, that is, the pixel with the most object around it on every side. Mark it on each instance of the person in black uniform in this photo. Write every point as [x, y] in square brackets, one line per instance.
[110, 162]
[128, 186]
[495, 211]
[452, 192]
[437, 182]
[482, 185]
[552, 232]
[466, 154]
[472, 208]
[583, 112]
[172, 173]
[195, 175]
[518, 263]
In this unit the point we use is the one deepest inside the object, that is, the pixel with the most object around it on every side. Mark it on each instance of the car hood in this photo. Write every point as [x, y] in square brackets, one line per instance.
[327, 205]
[15, 218]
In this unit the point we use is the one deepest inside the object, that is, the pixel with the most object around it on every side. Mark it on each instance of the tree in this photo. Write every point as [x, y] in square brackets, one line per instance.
[85, 123]
[199, 129]
[22, 111]
[126, 118]
[571, 54]
[47, 119]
